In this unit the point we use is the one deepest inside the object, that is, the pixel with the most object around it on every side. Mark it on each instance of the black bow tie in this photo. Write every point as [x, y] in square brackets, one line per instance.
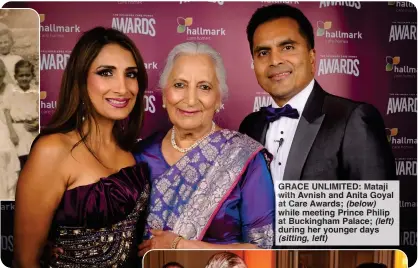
[273, 114]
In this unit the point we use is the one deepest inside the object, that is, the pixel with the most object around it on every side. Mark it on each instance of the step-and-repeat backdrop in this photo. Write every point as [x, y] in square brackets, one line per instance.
[366, 51]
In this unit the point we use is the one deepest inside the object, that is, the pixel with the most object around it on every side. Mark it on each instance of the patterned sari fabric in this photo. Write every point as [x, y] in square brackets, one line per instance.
[224, 182]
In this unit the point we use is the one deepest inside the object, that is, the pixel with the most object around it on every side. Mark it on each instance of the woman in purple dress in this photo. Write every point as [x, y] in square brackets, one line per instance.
[81, 187]
[211, 187]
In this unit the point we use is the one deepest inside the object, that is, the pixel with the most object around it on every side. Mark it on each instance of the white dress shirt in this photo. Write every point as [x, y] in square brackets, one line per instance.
[285, 129]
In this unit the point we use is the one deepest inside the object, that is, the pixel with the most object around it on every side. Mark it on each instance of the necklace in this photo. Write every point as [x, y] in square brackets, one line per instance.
[185, 150]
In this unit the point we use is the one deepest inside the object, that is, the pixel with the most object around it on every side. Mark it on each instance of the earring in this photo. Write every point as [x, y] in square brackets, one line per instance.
[217, 110]
[163, 105]
[82, 110]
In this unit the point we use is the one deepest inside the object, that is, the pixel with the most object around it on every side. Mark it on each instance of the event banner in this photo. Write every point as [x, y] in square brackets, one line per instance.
[365, 51]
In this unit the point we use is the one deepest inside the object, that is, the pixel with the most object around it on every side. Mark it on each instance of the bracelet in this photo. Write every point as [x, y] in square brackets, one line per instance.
[176, 241]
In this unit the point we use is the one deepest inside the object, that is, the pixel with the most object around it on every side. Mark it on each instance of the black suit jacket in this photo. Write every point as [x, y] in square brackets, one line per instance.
[336, 139]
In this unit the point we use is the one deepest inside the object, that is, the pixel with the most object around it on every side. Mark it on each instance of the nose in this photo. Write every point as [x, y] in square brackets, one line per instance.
[121, 85]
[276, 58]
[191, 97]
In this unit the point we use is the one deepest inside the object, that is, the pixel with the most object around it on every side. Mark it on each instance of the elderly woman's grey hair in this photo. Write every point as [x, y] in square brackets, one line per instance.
[225, 260]
[195, 48]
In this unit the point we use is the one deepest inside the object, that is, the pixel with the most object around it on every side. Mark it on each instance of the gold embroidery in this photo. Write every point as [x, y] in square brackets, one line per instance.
[104, 247]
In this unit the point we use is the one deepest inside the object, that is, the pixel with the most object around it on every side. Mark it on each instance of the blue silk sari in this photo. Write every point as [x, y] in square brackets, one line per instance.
[220, 192]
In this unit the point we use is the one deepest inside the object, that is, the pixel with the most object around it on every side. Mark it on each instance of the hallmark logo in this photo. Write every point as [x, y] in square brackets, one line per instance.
[339, 64]
[151, 65]
[354, 4]
[55, 28]
[393, 65]
[402, 31]
[403, 6]
[391, 132]
[43, 95]
[197, 33]
[46, 107]
[137, 24]
[324, 29]
[48, 104]
[401, 105]
[399, 142]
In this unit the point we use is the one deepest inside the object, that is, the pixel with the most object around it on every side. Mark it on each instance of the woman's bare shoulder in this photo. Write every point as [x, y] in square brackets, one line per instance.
[53, 147]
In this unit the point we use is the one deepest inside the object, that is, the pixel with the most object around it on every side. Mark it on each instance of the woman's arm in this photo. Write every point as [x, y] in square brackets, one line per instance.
[256, 211]
[9, 123]
[40, 187]
[164, 240]
[257, 206]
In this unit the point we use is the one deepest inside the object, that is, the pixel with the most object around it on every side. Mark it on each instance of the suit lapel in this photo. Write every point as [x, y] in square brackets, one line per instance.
[265, 126]
[308, 127]
[261, 126]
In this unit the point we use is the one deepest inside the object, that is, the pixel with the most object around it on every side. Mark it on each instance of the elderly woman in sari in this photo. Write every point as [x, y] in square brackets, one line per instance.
[211, 187]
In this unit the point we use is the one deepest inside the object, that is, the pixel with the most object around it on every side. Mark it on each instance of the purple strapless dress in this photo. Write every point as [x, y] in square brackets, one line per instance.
[97, 224]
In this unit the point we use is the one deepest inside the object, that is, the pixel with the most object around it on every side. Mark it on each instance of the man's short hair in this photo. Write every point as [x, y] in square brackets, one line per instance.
[278, 11]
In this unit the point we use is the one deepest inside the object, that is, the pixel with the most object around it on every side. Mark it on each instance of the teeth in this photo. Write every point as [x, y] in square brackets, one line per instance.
[281, 74]
[116, 102]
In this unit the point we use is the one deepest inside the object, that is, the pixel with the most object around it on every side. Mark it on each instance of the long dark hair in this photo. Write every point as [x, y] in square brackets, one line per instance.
[74, 104]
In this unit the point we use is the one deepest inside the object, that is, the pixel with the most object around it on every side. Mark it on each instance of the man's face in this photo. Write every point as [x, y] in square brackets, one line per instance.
[283, 63]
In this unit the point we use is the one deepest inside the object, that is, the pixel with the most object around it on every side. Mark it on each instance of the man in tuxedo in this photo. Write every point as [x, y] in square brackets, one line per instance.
[312, 134]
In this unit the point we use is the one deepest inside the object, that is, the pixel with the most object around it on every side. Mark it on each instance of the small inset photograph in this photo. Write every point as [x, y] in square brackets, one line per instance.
[275, 259]
[19, 93]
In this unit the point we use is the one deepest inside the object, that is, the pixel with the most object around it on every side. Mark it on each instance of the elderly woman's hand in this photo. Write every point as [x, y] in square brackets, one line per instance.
[160, 240]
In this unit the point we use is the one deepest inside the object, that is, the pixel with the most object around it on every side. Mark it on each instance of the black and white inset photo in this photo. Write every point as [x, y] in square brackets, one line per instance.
[19, 93]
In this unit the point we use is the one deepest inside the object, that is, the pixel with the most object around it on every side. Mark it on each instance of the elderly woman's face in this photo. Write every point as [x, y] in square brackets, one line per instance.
[192, 92]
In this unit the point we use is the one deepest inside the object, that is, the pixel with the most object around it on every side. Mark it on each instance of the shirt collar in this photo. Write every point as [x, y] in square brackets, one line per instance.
[298, 101]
